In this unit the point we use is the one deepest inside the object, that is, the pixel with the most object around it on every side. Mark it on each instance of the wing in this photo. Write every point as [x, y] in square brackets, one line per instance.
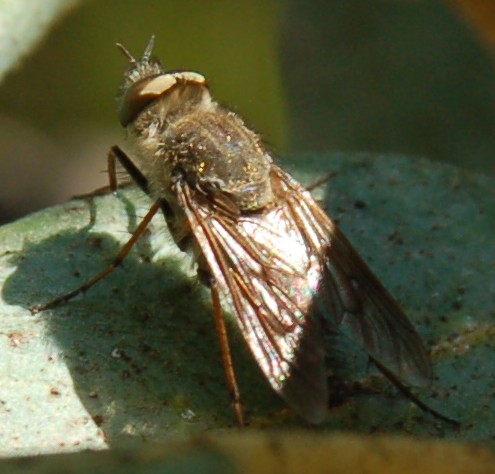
[267, 276]
[287, 270]
[351, 297]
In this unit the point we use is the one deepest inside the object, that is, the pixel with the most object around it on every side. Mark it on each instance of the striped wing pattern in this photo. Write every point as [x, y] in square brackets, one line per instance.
[287, 273]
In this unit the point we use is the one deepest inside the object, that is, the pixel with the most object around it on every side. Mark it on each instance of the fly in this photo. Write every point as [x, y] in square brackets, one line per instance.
[269, 254]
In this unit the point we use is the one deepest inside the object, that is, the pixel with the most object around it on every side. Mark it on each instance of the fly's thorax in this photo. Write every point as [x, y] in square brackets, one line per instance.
[217, 152]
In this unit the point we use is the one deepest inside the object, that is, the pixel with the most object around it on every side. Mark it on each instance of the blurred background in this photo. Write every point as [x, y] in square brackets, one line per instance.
[414, 77]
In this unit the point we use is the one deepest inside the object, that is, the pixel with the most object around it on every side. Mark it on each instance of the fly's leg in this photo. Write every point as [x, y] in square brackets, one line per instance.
[112, 169]
[228, 365]
[319, 181]
[124, 251]
[115, 154]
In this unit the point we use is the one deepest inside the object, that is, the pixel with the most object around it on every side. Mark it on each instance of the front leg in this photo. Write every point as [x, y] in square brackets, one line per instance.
[114, 154]
[124, 251]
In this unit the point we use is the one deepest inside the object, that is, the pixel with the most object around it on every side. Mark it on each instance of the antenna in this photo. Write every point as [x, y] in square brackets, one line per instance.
[149, 49]
[126, 53]
[146, 54]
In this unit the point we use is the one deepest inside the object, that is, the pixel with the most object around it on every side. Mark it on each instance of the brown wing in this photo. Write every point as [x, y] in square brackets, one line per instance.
[350, 296]
[267, 276]
[287, 270]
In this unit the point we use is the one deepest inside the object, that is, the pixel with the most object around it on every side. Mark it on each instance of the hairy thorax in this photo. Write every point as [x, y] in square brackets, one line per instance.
[209, 147]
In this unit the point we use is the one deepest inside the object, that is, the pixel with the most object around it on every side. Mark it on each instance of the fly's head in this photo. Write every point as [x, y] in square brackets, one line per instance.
[150, 92]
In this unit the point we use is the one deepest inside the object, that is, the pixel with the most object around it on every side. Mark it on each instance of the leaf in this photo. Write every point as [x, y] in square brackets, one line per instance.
[137, 355]
[24, 24]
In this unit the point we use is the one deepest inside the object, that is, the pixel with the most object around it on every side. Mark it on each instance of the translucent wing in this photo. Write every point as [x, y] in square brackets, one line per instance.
[267, 277]
[351, 296]
[287, 270]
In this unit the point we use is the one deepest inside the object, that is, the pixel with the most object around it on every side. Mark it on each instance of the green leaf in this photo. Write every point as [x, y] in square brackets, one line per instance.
[137, 357]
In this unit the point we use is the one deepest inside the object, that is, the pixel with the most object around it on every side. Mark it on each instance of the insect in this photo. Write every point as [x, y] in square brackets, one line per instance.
[269, 254]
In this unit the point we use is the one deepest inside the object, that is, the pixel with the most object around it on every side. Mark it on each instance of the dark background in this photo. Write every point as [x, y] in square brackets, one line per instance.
[388, 76]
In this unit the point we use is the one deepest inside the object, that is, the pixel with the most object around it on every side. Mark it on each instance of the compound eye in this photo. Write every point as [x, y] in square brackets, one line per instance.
[141, 94]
